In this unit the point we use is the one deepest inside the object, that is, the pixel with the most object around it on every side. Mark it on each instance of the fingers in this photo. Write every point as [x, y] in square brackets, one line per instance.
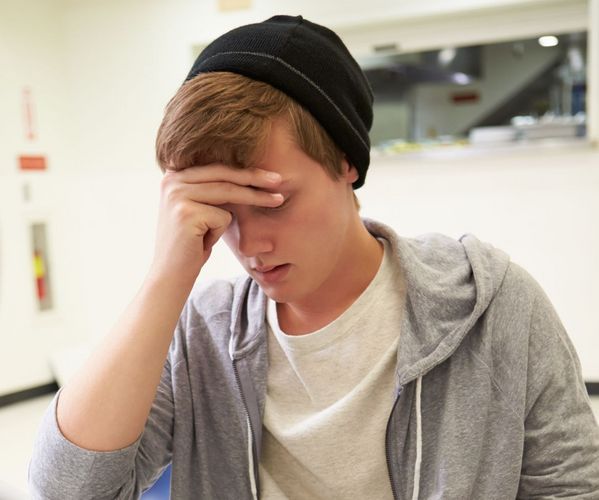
[221, 193]
[219, 185]
[217, 172]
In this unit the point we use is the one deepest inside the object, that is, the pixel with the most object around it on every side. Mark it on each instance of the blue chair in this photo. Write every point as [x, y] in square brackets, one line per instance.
[160, 489]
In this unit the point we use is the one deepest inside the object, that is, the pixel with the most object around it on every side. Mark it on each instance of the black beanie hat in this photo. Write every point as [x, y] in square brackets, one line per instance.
[310, 64]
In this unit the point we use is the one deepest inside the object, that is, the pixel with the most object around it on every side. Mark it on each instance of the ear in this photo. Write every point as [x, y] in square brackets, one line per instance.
[350, 173]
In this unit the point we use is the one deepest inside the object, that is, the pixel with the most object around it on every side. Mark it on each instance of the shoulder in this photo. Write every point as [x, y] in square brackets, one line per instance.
[518, 287]
[526, 329]
[206, 316]
[212, 297]
[517, 311]
[522, 295]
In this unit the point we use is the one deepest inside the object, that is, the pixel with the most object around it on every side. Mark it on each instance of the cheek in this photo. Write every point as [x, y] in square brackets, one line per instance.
[309, 229]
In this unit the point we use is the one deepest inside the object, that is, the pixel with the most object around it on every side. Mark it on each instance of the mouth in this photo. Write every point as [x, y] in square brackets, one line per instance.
[264, 269]
[271, 274]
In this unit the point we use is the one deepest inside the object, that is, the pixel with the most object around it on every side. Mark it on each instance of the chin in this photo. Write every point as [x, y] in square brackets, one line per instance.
[281, 294]
[276, 295]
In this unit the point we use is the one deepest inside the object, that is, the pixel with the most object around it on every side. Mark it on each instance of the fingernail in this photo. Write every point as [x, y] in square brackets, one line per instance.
[273, 176]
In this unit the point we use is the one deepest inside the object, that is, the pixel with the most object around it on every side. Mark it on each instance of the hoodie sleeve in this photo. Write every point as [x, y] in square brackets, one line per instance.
[61, 470]
[561, 445]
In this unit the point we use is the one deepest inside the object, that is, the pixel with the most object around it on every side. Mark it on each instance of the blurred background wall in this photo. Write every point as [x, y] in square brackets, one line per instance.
[84, 84]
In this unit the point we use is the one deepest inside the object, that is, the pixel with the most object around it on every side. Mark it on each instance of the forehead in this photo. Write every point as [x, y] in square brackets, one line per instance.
[280, 142]
[283, 155]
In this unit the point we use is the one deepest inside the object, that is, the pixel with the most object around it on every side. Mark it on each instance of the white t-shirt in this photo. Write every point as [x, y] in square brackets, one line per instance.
[329, 396]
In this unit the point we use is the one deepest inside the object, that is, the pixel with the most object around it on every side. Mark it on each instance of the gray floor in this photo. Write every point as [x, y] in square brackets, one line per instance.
[18, 425]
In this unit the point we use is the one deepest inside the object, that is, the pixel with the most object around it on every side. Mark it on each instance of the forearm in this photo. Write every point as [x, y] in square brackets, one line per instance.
[106, 404]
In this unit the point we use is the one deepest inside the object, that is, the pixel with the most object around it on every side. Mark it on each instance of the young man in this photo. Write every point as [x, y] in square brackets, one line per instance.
[350, 362]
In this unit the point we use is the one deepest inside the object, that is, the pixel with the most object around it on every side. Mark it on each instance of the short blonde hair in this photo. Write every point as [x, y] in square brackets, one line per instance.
[225, 117]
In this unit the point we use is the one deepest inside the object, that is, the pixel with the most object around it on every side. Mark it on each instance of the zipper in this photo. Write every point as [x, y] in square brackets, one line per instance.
[387, 449]
[247, 414]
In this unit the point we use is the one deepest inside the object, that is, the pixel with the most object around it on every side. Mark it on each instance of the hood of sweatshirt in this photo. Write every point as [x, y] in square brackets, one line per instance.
[450, 284]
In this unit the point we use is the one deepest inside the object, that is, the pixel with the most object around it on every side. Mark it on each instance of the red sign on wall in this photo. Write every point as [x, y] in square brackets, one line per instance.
[465, 97]
[32, 162]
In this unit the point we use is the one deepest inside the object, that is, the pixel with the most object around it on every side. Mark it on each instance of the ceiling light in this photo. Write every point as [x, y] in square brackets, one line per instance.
[548, 41]
[461, 78]
[447, 55]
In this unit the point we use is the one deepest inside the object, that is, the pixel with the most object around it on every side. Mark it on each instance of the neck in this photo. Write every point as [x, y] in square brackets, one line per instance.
[362, 254]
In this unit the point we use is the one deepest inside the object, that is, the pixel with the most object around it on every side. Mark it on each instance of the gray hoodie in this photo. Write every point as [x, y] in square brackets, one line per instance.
[489, 401]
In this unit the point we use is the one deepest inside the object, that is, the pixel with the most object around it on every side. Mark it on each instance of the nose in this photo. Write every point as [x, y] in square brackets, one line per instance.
[252, 235]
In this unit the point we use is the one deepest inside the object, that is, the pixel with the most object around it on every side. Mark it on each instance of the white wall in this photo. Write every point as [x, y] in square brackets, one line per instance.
[32, 55]
[102, 72]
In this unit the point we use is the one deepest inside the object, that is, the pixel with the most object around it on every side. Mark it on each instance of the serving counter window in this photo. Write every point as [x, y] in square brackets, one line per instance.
[500, 93]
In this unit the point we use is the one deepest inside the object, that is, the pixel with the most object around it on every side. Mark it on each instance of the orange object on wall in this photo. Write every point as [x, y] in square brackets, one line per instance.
[32, 162]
